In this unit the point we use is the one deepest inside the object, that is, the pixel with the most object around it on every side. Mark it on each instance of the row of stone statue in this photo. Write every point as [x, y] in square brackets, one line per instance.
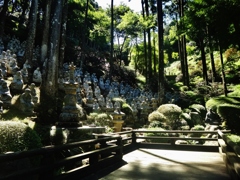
[98, 94]
[28, 98]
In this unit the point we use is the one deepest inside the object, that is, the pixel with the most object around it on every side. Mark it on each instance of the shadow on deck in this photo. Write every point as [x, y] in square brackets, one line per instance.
[153, 164]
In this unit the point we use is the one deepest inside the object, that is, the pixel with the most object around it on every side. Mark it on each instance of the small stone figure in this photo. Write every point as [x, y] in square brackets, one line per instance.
[97, 91]
[101, 83]
[109, 105]
[117, 105]
[96, 107]
[24, 72]
[6, 96]
[37, 76]
[3, 67]
[17, 83]
[33, 93]
[61, 82]
[1, 46]
[27, 65]
[26, 103]
[101, 101]
[13, 67]
[107, 84]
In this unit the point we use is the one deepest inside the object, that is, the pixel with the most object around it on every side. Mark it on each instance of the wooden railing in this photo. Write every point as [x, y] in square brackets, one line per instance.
[110, 150]
[51, 166]
[140, 139]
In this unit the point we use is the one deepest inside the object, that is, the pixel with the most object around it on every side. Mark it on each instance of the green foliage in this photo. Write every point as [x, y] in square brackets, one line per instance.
[156, 116]
[230, 113]
[213, 103]
[172, 113]
[183, 88]
[103, 119]
[117, 99]
[236, 91]
[43, 132]
[155, 124]
[17, 136]
[58, 136]
[127, 109]
[197, 127]
[157, 134]
[200, 109]
[234, 138]
[187, 118]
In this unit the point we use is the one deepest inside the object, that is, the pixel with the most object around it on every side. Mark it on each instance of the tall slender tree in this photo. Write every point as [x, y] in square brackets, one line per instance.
[145, 43]
[3, 14]
[28, 55]
[149, 44]
[161, 88]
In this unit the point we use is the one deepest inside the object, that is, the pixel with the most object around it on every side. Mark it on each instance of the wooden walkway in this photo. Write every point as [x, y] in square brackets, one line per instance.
[152, 164]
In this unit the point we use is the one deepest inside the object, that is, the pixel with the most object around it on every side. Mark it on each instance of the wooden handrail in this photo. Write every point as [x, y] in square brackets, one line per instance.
[111, 146]
[51, 150]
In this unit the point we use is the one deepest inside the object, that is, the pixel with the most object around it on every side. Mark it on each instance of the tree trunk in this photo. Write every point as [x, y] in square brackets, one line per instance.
[50, 84]
[223, 72]
[45, 37]
[30, 43]
[214, 74]
[161, 78]
[149, 44]
[145, 46]
[204, 65]
[154, 56]
[3, 17]
[63, 34]
[185, 61]
[83, 44]
[111, 50]
[180, 48]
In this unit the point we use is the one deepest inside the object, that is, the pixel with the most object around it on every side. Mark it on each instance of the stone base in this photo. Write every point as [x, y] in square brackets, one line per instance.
[74, 134]
[68, 124]
[118, 125]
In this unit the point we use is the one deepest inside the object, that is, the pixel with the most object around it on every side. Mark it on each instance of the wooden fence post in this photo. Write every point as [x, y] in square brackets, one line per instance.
[134, 138]
[120, 144]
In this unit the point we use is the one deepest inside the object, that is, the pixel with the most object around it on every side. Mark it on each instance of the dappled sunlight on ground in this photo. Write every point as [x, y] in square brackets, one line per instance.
[152, 164]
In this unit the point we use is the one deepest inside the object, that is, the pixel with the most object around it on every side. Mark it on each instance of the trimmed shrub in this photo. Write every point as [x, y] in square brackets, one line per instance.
[197, 127]
[17, 136]
[155, 124]
[127, 109]
[172, 113]
[213, 103]
[104, 119]
[231, 114]
[200, 109]
[187, 118]
[157, 134]
[156, 116]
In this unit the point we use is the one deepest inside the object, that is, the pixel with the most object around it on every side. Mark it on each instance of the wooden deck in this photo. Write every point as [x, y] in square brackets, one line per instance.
[152, 164]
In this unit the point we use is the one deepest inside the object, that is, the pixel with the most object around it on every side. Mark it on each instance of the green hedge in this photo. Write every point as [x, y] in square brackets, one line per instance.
[17, 136]
[172, 113]
[230, 114]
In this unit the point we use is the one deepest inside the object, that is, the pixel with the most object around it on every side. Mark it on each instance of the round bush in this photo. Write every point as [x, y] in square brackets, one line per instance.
[187, 118]
[200, 109]
[172, 113]
[156, 116]
[230, 114]
[17, 136]
[157, 134]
